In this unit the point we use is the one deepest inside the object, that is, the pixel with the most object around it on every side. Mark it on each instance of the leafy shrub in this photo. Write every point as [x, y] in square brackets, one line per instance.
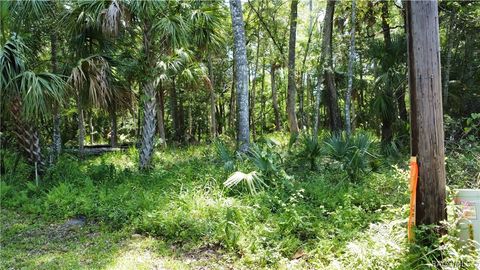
[224, 155]
[311, 149]
[354, 153]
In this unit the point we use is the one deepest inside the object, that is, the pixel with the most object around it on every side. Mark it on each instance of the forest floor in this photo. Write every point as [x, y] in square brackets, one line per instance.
[101, 213]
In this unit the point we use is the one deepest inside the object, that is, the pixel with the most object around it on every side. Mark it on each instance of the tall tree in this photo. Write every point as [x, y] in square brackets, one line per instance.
[387, 119]
[329, 74]
[292, 91]
[241, 75]
[276, 109]
[326, 68]
[427, 115]
[348, 96]
[57, 137]
[450, 38]
[28, 96]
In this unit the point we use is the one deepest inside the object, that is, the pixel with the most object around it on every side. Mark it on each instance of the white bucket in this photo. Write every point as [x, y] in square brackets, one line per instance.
[469, 200]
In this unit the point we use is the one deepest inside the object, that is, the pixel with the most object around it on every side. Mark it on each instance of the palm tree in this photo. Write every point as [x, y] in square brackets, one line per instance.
[95, 86]
[208, 37]
[28, 96]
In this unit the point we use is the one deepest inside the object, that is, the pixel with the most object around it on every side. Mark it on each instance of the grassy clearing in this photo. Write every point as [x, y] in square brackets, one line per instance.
[180, 216]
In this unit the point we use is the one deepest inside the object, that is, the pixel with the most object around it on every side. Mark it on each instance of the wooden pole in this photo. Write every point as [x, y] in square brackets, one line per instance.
[427, 138]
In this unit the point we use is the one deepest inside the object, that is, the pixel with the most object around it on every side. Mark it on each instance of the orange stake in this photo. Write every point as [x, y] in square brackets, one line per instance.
[413, 196]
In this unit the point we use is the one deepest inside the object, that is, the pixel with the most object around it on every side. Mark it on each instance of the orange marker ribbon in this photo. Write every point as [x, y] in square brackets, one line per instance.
[413, 196]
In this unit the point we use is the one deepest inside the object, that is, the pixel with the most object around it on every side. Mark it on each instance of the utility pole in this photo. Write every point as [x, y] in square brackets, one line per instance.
[427, 138]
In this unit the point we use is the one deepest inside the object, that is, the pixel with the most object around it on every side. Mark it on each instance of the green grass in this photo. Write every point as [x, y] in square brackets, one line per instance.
[179, 215]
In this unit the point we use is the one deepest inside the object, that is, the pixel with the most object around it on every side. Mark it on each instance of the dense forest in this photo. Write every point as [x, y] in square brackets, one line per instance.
[209, 134]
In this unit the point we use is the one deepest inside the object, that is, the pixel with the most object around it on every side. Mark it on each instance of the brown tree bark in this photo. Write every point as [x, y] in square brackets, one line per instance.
[292, 89]
[427, 138]
[328, 71]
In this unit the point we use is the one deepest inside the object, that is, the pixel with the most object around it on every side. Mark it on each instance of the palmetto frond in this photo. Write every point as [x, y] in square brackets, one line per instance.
[93, 74]
[206, 25]
[173, 28]
[11, 61]
[39, 91]
[111, 18]
[252, 180]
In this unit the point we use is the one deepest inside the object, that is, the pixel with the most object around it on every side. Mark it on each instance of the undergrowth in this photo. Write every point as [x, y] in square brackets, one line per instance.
[346, 211]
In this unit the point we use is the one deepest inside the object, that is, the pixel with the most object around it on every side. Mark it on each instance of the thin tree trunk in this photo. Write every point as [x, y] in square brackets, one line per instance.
[57, 137]
[450, 39]
[148, 130]
[387, 122]
[263, 97]
[252, 102]
[231, 106]
[351, 60]
[114, 124]
[427, 138]
[240, 54]
[301, 91]
[81, 126]
[292, 91]
[190, 123]
[92, 131]
[181, 117]
[276, 109]
[174, 109]
[160, 116]
[213, 119]
[400, 93]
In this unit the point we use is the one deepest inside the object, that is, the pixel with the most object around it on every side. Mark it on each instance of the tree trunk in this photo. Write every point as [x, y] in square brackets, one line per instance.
[181, 117]
[231, 105]
[427, 136]
[276, 109]
[174, 110]
[292, 91]
[263, 97]
[190, 124]
[252, 102]
[160, 116]
[348, 96]
[113, 122]
[92, 131]
[213, 123]
[400, 93]
[326, 63]
[81, 126]
[387, 122]
[402, 108]
[302, 122]
[27, 135]
[240, 54]
[148, 130]
[57, 137]
[446, 74]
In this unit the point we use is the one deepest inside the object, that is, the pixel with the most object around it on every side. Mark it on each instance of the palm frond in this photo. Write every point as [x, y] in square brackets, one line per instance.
[252, 181]
[93, 74]
[39, 91]
[11, 61]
